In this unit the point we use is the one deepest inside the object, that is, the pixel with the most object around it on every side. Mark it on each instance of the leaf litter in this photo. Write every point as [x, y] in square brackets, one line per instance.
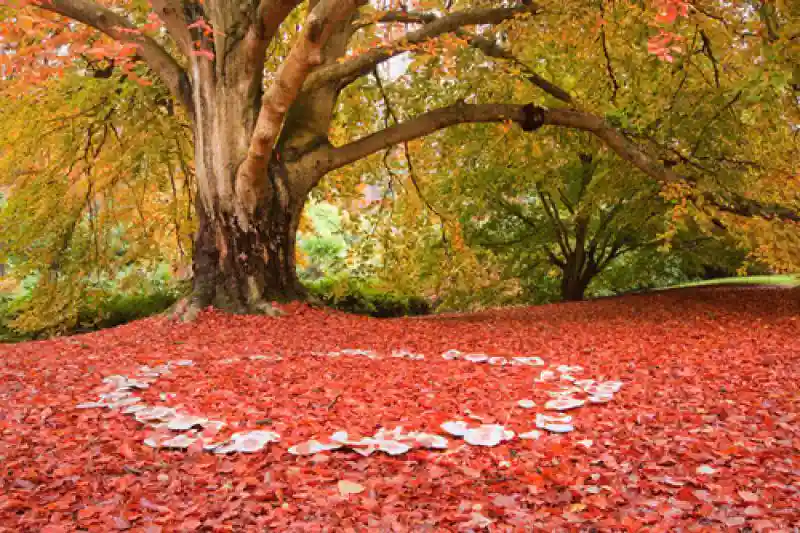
[703, 431]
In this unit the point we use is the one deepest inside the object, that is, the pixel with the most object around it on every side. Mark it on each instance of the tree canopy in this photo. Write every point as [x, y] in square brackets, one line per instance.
[223, 119]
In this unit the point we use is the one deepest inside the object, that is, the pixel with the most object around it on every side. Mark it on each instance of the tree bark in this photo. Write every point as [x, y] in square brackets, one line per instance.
[239, 267]
[573, 287]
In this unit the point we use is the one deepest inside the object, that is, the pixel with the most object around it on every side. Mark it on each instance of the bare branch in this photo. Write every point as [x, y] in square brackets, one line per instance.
[115, 26]
[363, 64]
[710, 53]
[609, 67]
[492, 49]
[406, 151]
[551, 210]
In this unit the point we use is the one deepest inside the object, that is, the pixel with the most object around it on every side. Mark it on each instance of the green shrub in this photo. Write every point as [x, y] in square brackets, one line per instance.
[123, 308]
[365, 298]
[7, 315]
[106, 311]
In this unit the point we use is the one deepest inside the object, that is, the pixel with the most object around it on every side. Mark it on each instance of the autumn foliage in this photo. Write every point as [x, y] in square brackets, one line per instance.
[702, 435]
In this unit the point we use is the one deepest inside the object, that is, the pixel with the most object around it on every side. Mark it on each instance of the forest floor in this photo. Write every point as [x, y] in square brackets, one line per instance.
[704, 434]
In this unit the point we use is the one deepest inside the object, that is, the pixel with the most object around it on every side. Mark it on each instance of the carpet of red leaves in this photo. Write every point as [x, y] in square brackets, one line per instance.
[704, 436]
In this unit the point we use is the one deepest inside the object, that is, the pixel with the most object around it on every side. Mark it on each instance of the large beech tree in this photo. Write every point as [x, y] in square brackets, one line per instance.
[261, 129]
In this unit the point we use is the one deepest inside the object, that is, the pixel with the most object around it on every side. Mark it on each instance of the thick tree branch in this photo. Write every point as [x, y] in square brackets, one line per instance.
[171, 12]
[421, 125]
[531, 118]
[304, 55]
[270, 14]
[407, 17]
[365, 63]
[119, 28]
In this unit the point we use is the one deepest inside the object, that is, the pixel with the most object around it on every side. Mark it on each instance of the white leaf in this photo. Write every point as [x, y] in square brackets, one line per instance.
[312, 447]
[116, 395]
[487, 435]
[339, 436]
[527, 361]
[530, 435]
[90, 405]
[124, 402]
[248, 442]
[134, 409]
[365, 451]
[455, 428]
[450, 355]
[705, 469]
[543, 421]
[476, 357]
[392, 447]
[546, 375]
[477, 520]
[183, 422]
[116, 380]
[559, 428]
[427, 440]
[498, 361]
[600, 398]
[182, 441]
[564, 404]
[604, 388]
[526, 404]
[152, 414]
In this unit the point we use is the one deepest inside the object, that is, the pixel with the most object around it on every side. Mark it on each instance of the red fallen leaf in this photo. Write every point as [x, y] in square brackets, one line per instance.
[752, 510]
[637, 341]
[763, 525]
[686, 494]
[53, 529]
[748, 496]
[505, 501]
[191, 524]
[195, 448]
[126, 451]
[88, 512]
[733, 521]
[120, 523]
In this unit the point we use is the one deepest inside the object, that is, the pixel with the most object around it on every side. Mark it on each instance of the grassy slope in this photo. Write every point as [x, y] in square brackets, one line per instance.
[786, 280]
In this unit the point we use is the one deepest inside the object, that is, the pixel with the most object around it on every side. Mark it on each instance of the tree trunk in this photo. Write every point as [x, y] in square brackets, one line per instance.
[573, 288]
[244, 254]
[240, 270]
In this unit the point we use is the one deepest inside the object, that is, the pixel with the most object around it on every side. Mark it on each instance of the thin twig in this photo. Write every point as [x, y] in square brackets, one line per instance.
[609, 68]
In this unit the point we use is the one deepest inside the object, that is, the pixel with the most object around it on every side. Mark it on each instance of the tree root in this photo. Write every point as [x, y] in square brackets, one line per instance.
[265, 308]
[184, 310]
[188, 309]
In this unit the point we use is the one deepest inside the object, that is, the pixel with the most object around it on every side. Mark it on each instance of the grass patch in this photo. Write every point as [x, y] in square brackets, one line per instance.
[782, 280]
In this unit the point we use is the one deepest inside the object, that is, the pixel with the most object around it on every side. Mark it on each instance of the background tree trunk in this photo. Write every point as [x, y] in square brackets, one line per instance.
[573, 288]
